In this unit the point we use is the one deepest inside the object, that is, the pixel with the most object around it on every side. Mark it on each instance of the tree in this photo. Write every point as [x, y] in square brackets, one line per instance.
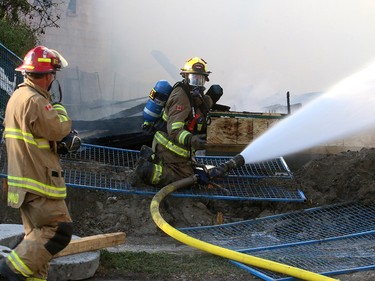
[22, 22]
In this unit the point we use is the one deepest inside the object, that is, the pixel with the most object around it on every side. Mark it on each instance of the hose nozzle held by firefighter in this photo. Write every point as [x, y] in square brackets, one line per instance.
[223, 169]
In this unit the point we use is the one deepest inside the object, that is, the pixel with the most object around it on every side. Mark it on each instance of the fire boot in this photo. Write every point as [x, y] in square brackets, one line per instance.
[142, 174]
[6, 272]
[146, 153]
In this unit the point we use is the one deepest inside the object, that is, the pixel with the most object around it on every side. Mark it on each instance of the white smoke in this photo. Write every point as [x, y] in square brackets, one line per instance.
[255, 49]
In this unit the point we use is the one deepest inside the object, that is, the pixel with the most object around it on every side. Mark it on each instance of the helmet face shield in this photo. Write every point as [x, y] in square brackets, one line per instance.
[196, 79]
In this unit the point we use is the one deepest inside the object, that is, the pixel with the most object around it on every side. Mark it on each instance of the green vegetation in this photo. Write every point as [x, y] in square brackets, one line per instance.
[17, 38]
[21, 23]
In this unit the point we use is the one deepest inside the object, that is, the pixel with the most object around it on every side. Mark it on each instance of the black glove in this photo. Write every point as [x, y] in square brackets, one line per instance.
[70, 143]
[198, 142]
[148, 128]
[215, 92]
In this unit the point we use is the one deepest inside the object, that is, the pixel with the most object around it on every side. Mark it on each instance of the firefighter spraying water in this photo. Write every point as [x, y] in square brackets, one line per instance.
[181, 130]
[336, 114]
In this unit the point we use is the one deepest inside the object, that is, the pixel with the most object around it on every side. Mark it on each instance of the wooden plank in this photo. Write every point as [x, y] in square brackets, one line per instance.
[245, 131]
[92, 243]
[245, 114]
[224, 149]
[222, 130]
[262, 125]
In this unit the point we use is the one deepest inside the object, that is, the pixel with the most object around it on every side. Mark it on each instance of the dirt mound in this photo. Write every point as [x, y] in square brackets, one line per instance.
[347, 176]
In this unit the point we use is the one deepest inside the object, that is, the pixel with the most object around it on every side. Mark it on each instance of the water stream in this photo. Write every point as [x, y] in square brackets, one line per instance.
[346, 109]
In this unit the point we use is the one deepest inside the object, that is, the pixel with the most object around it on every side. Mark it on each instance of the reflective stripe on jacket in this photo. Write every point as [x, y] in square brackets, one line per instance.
[162, 139]
[31, 125]
[176, 111]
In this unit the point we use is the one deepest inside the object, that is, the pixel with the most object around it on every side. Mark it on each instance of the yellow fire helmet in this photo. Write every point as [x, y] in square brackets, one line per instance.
[195, 66]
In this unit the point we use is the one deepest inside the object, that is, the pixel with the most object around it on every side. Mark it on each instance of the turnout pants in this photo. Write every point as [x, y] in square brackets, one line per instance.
[172, 172]
[48, 230]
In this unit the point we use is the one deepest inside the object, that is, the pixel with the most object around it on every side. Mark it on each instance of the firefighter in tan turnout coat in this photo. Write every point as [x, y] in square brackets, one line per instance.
[33, 128]
[186, 116]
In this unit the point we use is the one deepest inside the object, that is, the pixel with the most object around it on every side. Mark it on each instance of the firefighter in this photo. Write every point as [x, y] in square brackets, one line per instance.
[36, 186]
[186, 115]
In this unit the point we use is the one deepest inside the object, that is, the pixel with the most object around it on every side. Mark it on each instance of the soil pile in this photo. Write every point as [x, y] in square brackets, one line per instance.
[348, 176]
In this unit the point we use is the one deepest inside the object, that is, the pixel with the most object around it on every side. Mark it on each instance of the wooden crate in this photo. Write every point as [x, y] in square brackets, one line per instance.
[230, 132]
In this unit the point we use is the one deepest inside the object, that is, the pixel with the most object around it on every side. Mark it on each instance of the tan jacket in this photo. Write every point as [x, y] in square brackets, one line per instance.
[32, 127]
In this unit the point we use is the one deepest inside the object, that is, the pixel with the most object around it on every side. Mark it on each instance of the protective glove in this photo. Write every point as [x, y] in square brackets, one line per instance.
[148, 128]
[215, 92]
[70, 143]
[198, 142]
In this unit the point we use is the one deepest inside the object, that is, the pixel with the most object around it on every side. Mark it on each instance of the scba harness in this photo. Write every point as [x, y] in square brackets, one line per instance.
[155, 117]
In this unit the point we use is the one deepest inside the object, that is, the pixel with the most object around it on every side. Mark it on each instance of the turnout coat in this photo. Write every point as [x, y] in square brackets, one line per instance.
[32, 127]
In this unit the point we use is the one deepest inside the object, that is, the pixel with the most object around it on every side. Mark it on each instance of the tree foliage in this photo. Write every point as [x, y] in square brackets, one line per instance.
[17, 38]
[23, 21]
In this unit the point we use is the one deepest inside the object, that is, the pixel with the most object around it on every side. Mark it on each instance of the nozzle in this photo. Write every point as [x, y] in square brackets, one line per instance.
[235, 162]
[223, 169]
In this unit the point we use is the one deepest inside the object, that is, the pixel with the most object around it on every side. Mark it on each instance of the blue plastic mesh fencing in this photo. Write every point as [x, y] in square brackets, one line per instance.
[109, 168]
[310, 225]
[327, 257]
[106, 168]
[328, 240]
[9, 78]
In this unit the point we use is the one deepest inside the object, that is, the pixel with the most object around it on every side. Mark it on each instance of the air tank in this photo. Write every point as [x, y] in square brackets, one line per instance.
[156, 102]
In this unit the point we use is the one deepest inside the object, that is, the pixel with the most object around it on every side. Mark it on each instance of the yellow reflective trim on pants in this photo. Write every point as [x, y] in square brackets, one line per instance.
[171, 146]
[30, 184]
[165, 116]
[182, 136]
[27, 137]
[157, 174]
[19, 265]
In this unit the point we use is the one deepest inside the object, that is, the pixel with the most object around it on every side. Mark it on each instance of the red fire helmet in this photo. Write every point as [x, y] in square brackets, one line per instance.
[42, 60]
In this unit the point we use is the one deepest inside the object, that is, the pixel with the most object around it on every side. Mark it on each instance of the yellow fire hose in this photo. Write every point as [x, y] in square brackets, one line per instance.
[219, 251]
